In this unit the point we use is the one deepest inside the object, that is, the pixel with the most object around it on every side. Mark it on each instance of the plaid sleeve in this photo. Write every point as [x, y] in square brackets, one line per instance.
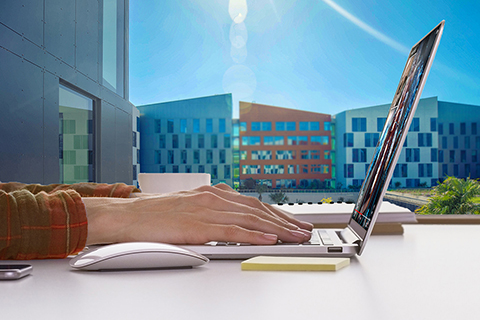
[41, 226]
[86, 189]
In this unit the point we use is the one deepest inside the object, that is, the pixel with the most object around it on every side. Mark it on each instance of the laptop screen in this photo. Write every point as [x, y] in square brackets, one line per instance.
[395, 130]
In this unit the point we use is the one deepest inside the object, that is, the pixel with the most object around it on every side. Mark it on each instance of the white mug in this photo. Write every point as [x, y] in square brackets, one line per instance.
[172, 182]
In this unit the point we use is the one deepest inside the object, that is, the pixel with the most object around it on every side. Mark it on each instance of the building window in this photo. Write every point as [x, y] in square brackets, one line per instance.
[201, 141]
[371, 139]
[175, 141]
[463, 128]
[463, 156]
[222, 156]
[433, 124]
[201, 169]
[251, 169]
[196, 156]
[226, 141]
[171, 157]
[451, 128]
[243, 126]
[188, 169]
[327, 126]
[359, 124]
[221, 125]
[415, 125]
[348, 139]
[444, 143]
[183, 125]
[452, 156]
[161, 141]
[359, 155]
[209, 126]
[474, 128]
[303, 126]
[412, 155]
[158, 157]
[266, 126]
[261, 155]
[214, 172]
[440, 156]
[274, 169]
[209, 156]
[455, 142]
[251, 141]
[440, 128]
[183, 156]
[76, 137]
[474, 156]
[113, 45]
[467, 142]
[243, 155]
[158, 125]
[188, 141]
[401, 170]
[348, 170]
[285, 155]
[175, 169]
[196, 125]
[280, 126]
[226, 172]
[380, 124]
[170, 126]
[424, 139]
[213, 141]
[319, 140]
[433, 154]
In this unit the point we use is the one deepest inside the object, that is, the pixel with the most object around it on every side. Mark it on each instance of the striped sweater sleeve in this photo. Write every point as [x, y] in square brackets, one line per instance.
[42, 225]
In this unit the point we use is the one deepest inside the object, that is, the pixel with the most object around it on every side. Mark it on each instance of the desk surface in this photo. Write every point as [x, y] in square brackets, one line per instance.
[431, 272]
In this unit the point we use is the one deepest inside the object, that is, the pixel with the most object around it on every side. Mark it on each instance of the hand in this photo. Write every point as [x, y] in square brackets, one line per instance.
[209, 213]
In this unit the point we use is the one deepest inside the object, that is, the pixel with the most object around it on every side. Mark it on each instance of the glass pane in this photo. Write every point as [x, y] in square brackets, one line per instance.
[75, 137]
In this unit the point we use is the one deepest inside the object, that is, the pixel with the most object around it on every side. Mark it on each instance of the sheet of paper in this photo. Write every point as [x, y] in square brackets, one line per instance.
[268, 263]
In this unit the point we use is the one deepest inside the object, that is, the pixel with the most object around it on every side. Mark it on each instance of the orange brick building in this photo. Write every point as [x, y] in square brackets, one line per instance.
[285, 148]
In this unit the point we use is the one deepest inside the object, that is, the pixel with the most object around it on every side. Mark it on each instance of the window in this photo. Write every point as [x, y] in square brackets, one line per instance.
[243, 126]
[440, 156]
[371, 139]
[314, 126]
[251, 141]
[201, 169]
[266, 126]
[455, 142]
[433, 124]
[196, 156]
[222, 157]
[221, 125]
[226, 141]
[415, 125]
[274, 169]
[113, 46]
[444, 143]
[209, 126]
[359, 155]
[209, 156]
[463, 128]
[474, 156]
[359, 124]
[440, 128]
[291, 126]
[158, 125]
[175, 141]
[170, 126]
[158, 157]
[433, 154]
[161, 141]
[76, 137]
[319, 140]
[255, 126]
[452, 156]
[401, 170]
[348, 170]
[214, 172]
[183, 125]
[196, 125]
[474, 128]
[467, 142]
[348, 139]
[183, 156]
[201, 141]
[463, 156]
[412, 155]
[226, 172]
[285, 155]
[327, 126]
[261, 155]
[424, 139]
[171, 157]
[451, 128]
[380, 123]
[213, 141]
[303, 126]
[280, 126]
[188, 141]
[251, 169]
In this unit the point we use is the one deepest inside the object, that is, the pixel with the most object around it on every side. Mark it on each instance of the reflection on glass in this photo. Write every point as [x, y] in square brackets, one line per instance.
[393, 131]
[75, 137]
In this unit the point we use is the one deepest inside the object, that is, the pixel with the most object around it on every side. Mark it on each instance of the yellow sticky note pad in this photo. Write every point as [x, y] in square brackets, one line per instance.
[268, 263]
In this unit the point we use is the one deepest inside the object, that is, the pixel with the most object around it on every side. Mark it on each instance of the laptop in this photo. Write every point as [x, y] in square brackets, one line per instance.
[351, 240]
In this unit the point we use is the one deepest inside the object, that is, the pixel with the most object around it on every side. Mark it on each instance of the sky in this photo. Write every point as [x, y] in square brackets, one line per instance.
[323, 56]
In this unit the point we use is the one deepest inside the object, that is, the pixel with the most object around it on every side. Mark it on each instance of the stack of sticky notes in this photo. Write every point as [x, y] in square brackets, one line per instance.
[268, 263]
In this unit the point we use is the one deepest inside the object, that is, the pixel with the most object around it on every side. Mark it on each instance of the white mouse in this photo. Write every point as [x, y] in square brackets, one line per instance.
[137, 255]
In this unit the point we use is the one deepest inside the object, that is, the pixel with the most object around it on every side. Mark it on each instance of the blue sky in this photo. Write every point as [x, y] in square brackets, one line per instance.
[323, 56]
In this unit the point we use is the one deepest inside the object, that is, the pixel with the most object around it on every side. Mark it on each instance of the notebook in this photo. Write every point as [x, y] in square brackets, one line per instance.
[351, 240]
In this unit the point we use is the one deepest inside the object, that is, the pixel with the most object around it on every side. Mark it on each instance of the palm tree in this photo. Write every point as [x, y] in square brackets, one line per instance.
[278, 197]
[453, 196]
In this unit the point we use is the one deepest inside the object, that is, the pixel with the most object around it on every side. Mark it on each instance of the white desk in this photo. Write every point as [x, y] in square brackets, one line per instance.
[431, 272]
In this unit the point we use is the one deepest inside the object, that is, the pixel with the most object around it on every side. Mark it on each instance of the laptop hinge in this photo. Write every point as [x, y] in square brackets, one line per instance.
[349, 236]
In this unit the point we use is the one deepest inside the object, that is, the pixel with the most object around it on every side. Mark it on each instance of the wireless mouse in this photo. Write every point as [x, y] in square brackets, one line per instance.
[137, 255]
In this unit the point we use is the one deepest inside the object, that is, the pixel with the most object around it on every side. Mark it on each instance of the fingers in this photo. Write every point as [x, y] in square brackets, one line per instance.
[228, 193]
[232, 233]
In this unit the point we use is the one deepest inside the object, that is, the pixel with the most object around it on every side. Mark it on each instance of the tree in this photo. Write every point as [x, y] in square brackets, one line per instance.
[261, 188]
[278, 197]
[398, 184]
[453, 196]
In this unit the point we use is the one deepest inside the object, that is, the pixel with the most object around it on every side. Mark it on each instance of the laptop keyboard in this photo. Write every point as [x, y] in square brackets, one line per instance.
[319, 237]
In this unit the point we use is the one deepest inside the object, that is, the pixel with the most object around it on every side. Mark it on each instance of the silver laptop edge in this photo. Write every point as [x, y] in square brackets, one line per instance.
[364, 233]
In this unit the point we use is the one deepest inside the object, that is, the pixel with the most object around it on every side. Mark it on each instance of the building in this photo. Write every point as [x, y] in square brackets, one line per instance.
[442, 140]
[65, 110]
[285, 148]
[192, 135]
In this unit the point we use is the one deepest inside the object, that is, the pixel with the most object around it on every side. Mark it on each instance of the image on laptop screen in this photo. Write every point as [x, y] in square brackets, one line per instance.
[394, 130]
